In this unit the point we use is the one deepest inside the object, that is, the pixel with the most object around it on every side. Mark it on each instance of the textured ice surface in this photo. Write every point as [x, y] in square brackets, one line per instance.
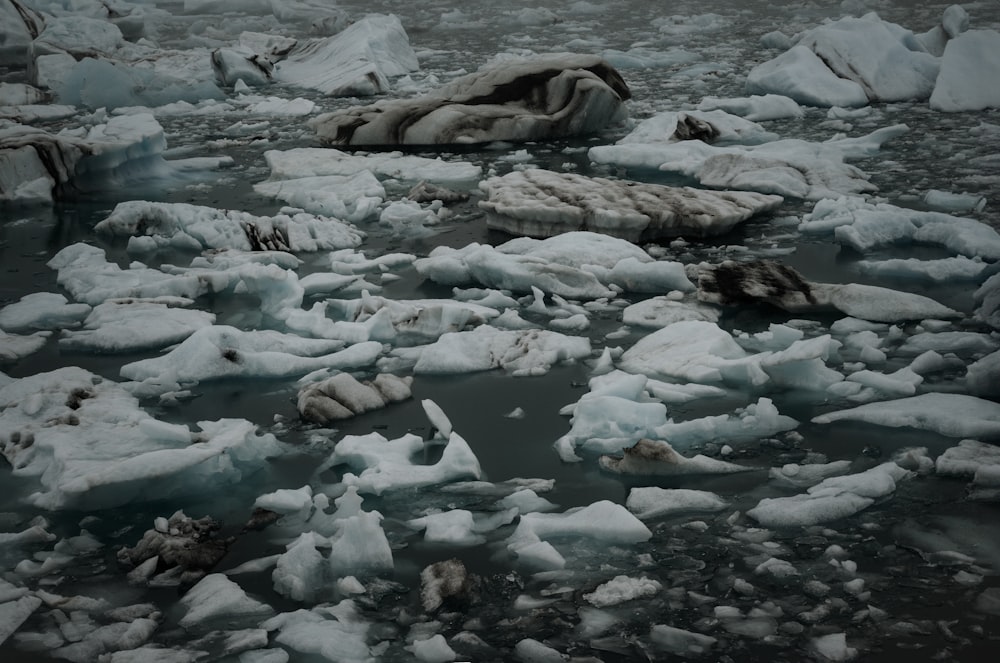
[317, 162]
[351, 198]
[789, 167]
[185, 226]
[541, 203]
[41, 310]
[953, 415]
[969, 58]
[129, 325]
[577, 265]
[353, 63]
[517, 100]
[653, 502]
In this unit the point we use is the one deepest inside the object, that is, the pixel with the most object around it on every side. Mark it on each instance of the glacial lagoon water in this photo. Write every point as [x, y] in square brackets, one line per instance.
[910, 604]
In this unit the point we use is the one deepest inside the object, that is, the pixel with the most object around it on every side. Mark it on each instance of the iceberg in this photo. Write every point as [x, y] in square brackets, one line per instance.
[969, 58]
[516, 100]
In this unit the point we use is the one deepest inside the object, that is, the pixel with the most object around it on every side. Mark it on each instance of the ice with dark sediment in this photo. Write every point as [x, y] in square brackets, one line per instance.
[779, 285]
[182, 225]
[515, 99]
[789, 167]
[37, 166]
[542, 203]
[342, 396]
[88, 444]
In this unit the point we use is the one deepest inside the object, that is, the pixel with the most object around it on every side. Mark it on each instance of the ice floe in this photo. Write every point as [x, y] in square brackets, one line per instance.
[788, 167]
[653, 502]
[303, 162]
[968, 58]
[129, 325]
[514, 100]
[125, 455]
[657, 458]
[191, 226]
[952, 415]
[541, 203]
[42, 311]
[342, 396]
[577, 265]
[831, 499]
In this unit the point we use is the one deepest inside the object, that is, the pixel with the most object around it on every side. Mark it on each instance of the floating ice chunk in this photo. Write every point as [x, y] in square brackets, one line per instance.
[771, 282]
[967, 459]
[969, 59]
[757, 108]
[351, 198]
[952, 415]
[220, 351]
[527, 352]
[943, 270]
[14, 613]
[803, 476]
[757, 420]
[800, 74]
[320, 162]
[434, 649]
[92, 447]
[336, 633]
[355, 62]
[788, 167]
[128, 325]
[394, 471]
[16, 346]
[946, 201]
[652, 502]
[541, 203]
[359, 545]
[621, 589]
[460, 527]
[981, 376]
[706, 124]
[602, 521]
[958, 342]
[657, 458]
[218, 229]
[987, 298]
[342, 396]
[831, 499]
[526, 500]
[542, 98]
[832, 647]
[217, 599]
[530, 650]
[680, 642]
[865, 226]
[439, 420]
[41, 310]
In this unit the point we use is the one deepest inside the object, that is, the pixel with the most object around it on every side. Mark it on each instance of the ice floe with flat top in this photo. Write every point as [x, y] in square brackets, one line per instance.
[701, 351]
[485, 348]
[224, 352]
[831, 499]
[658, 458]
[41, 311]
[767, 281]
[621, 589]
[542, 203]
[658, 312]
[866, 226]
[604, 521]
[89, 444]
[512, 99]
[182, 225]
[576, 265]
[789, 167]
[351, 198]
[648, 502]
[952, 415]
[334, 632]
[16, 346]
[302, 162]
[129, 325]
[756, 108]
[711, 125]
